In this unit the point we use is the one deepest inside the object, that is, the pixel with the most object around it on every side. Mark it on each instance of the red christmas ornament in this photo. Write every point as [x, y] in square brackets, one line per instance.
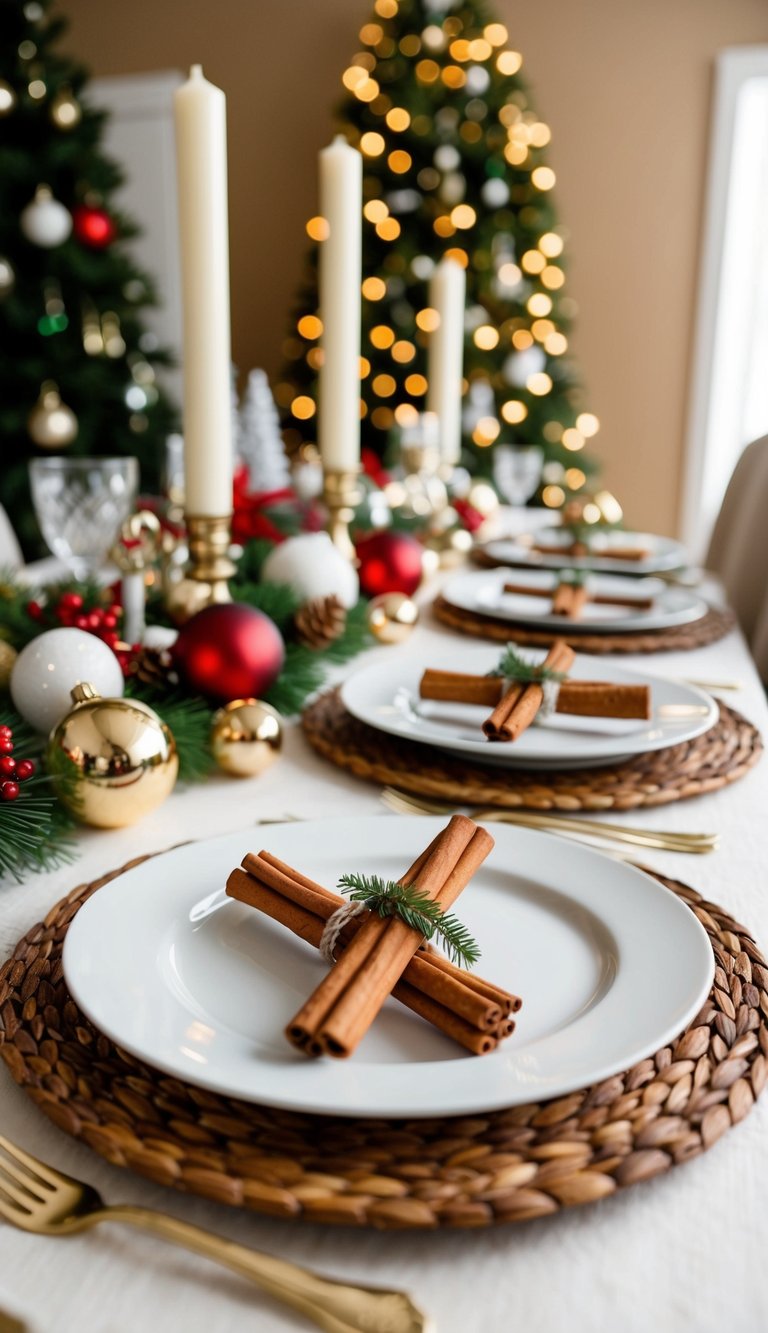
[93, 226]
[7, 766]
[24, 769]
[9, 791]
[389, 562]
[229, 652]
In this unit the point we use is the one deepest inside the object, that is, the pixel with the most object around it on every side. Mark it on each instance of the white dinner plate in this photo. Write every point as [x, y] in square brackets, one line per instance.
[385, 695]
[610, 965]
[663, 554]
[482, 591]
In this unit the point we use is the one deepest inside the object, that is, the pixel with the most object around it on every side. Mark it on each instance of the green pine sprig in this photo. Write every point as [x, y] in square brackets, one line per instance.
[416, 909]
[575, 577]
[513, 666]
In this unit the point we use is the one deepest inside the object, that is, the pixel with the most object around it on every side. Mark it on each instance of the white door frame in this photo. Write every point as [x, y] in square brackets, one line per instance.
[719, 346]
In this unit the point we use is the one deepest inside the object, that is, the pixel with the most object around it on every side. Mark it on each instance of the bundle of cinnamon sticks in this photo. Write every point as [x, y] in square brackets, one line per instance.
[516, 704]
[569, 598]
[378, 956]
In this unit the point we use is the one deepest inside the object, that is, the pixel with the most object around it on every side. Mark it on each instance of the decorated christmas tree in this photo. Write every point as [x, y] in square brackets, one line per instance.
[455, 164]
[77, 365]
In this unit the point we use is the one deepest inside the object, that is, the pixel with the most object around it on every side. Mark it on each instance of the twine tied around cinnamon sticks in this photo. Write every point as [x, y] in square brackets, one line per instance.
[378, 956]
[521, 693]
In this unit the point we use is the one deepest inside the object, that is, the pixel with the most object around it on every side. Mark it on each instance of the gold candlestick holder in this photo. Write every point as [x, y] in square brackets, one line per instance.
[342, 494]
[205, 582]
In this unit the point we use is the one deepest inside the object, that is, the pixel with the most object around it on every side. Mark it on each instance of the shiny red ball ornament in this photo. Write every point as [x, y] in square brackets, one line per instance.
[7, 766]
[389, 562]
[229, 652]
[93, 226]
[9, 790]
[25, 769]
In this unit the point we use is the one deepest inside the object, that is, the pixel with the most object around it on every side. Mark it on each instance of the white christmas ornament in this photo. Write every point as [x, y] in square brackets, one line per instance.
[311, 564]
[520, 365]
[260, 444]
[495, 192]
[45, 221]
[51, 665]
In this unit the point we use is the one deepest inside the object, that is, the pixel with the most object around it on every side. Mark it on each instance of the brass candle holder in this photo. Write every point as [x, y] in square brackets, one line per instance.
[205, 581]
[342, 494]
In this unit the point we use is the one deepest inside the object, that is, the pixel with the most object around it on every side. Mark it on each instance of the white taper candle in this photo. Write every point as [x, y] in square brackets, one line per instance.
[446, 355]
[200, 112]
[341, 203]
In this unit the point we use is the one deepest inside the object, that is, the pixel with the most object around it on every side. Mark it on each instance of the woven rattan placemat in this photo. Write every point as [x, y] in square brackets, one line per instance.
[714, 625]
[722, 755]
[504, 1166]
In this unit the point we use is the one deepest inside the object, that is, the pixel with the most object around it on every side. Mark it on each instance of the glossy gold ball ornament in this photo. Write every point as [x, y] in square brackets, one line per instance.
[392, 616]
[8, 656]
[51, 424]
[115, 758]
[246, 737]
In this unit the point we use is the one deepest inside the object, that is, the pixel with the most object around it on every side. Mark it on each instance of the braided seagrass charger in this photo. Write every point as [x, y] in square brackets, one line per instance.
[722, 755]
[477, 1171]
[714, 625]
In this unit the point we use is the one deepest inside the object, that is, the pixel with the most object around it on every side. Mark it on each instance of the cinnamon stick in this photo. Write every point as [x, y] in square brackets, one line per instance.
[580, 549]
[463, 1006]
[302, 891]
[598, 599]
[569, 600]
[341, 1009]
[517, 709]
[579, 698]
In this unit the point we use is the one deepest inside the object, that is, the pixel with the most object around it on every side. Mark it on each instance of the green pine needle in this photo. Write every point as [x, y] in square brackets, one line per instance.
[575, 577]
[417, 910]
[512, 666]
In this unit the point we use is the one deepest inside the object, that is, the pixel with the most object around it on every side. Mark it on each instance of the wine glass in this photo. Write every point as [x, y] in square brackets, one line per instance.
[517, 471]
[81, 504]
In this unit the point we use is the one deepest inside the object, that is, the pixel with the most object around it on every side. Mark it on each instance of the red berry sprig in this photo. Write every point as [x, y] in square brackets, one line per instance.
[71, 612]
[12, 771]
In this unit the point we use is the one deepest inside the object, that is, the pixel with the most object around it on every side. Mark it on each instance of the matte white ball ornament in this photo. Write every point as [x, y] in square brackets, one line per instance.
[311, 564]
[44, 221]
[46, 671]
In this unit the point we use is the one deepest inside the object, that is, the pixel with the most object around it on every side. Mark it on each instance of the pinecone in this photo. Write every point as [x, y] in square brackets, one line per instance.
[320, 623]
[153, 666]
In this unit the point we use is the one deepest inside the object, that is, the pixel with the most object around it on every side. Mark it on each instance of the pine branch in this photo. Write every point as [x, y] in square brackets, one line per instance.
[190, 722]
[513, 666]
[417, 910]
[576, 578]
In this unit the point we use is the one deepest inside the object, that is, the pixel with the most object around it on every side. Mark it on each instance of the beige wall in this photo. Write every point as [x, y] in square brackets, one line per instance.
[625, 85]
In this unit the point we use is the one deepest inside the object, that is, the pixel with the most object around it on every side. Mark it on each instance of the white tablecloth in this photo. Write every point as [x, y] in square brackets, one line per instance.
[682, 1252]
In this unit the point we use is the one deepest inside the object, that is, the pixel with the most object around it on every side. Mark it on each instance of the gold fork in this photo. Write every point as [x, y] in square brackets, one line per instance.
[37, 1198]
[695, 843]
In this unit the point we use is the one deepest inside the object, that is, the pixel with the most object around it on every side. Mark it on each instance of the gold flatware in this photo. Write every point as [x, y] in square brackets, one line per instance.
[715, 685]
[37, 1198]
[667, 841]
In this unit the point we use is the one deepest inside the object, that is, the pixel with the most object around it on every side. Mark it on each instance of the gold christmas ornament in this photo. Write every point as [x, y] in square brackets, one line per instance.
[8, 656]
[451, 546]
[392, 616]
[51, 424]
[116, 759]
[246, 737]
